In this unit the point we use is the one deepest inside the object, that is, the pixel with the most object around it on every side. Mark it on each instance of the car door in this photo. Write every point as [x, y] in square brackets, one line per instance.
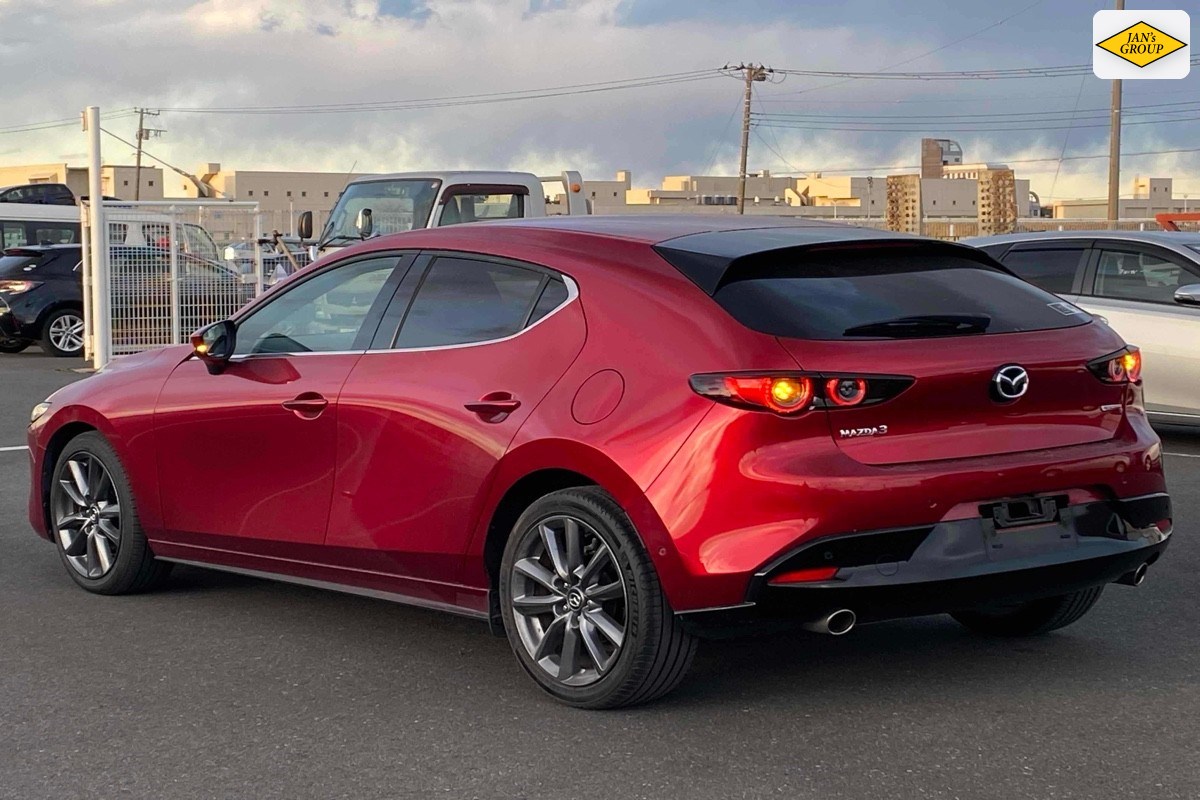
[248, 454]
[1133, 287]
[424, 419]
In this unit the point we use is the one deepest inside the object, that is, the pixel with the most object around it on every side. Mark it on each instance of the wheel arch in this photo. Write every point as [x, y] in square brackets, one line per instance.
[539, 468]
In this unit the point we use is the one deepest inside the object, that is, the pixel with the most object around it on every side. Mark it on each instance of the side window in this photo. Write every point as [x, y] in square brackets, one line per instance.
[1127, 275]
[475, 207]
[14, 234]
[553, 296]
[54, 235]
[462, 301]
[1052, 269]
[323, 314]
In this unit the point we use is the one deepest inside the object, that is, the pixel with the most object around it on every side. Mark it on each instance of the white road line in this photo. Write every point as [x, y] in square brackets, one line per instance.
[1183, 455]
[13, 449]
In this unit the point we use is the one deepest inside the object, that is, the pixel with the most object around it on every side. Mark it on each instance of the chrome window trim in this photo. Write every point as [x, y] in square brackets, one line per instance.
[572, 296]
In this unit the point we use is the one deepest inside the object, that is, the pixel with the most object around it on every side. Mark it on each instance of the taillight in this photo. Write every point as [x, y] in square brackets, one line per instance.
[783, 394]
[792, 393]
[1123, 366]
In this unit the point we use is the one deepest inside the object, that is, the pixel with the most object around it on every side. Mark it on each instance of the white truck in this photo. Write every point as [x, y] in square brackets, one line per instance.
[375, 205]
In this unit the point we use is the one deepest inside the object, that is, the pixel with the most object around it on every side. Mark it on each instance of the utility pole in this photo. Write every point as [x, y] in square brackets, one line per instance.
[1114, 148]
[752, 72]
[143, 133]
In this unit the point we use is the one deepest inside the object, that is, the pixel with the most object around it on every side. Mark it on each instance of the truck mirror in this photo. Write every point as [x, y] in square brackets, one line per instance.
[363, 223]
[305, 225]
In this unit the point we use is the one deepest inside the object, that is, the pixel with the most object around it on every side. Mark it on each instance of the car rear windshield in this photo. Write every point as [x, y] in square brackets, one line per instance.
[845, 295]
[22, 265]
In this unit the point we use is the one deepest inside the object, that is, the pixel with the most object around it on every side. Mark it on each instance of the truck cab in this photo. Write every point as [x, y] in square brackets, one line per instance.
[377, 205]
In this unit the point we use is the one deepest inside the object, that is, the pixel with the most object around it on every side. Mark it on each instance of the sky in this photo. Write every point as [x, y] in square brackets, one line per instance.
[58, 56]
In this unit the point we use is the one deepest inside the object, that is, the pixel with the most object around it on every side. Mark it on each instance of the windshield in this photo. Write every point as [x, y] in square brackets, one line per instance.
[396, 206]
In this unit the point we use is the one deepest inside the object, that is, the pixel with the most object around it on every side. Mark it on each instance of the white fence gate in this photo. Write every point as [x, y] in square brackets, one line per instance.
[162, 274]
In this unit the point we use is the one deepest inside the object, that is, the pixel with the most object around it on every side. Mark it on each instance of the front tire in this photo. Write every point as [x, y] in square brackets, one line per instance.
[62, 335]
[94, 521]
[583, 608]
[1032, 618]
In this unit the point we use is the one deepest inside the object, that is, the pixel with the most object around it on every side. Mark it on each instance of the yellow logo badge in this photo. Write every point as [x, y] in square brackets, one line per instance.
[1141, 44]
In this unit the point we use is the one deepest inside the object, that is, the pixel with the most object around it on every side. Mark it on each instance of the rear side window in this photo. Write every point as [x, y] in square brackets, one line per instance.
[1052, 269]
[878, 295]
[461, 301]
[53, 263]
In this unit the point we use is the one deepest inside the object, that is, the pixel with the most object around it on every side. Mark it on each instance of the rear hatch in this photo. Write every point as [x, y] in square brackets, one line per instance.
[948, 320]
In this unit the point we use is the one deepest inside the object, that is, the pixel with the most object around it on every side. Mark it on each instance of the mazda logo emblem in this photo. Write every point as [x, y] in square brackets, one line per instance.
[1010, 382]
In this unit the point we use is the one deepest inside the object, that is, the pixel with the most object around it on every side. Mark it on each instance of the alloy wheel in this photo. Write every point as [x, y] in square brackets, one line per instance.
[569, 600]
[66, 332]
[87, 515]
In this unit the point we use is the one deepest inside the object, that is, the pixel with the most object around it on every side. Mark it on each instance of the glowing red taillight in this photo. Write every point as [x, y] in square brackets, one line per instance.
[783, 395]
[811, 575]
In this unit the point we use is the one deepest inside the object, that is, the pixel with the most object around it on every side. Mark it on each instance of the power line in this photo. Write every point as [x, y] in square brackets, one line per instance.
[1193, 105]
[989, 128]
[938, 49]
[65, 122]
[1061, 71]
[452, 101]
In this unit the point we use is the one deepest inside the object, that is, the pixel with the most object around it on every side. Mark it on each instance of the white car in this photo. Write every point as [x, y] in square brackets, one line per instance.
[1146, 285]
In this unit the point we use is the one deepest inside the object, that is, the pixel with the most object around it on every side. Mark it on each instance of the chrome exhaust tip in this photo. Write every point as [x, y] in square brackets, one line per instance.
[835, 623]
[1135, 578]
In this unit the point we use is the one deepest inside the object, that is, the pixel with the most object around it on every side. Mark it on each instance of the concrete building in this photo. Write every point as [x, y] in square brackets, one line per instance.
[713, 190]
[937, 154]
[607, 194]
[115, 180]
[1150, 196]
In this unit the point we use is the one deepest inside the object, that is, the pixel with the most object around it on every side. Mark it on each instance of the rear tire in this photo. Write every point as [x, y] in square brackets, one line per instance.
[588, 621]
[13, 345]
[1031, 618]
[62, 334]
[94, 521]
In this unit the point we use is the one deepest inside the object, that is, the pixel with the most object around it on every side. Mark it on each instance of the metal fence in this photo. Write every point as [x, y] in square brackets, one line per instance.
[162, 273]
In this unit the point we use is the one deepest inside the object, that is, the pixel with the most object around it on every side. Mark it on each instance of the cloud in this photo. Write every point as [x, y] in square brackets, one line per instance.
[269, 53]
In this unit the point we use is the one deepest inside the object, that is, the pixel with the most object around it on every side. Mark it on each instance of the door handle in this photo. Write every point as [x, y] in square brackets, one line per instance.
[494, 406]
[307, 405]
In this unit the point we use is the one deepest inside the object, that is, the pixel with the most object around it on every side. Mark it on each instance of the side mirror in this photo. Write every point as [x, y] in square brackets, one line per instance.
[213, 344]
[304, 225]
[363, 223]
[1188, 295]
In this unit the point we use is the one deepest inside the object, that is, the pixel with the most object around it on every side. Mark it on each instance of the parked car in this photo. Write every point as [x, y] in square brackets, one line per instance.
[1146, 285]
[41, 299]
[41, 296]
[55, 194]
[611, 436]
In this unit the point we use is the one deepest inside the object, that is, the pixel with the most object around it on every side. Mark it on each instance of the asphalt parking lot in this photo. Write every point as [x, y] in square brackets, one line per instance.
[228, 687]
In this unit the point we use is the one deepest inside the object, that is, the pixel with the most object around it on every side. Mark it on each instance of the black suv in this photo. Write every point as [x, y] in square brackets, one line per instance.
[41, 298]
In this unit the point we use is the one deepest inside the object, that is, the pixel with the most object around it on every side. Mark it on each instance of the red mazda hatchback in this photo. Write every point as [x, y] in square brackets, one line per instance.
[611, 436]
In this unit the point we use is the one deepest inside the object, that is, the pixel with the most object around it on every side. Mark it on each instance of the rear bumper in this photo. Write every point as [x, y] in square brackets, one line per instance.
[952, 565]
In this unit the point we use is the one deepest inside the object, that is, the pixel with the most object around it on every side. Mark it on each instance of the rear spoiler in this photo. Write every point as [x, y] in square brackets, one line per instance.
[710, 267]
[572, 182]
